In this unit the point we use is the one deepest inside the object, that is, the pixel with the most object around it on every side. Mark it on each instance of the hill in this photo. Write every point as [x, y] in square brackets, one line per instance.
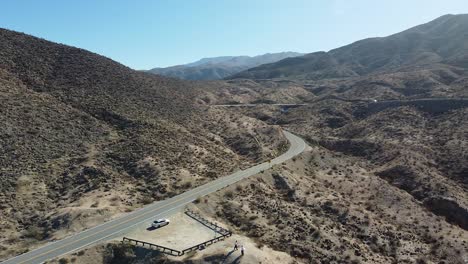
[385, 180]
[220, 67]
[382, 181]
[84, 138]
[422, 47]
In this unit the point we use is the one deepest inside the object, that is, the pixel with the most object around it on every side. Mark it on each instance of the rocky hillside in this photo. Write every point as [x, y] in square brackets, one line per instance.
[373, 187]
[220, 67]
[424, 46]
[329, 207]
[384, 182]
[385, 179]
[84, 138]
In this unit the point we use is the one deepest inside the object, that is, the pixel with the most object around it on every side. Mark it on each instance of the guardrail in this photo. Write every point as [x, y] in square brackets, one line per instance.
[223, 233]
[151, 246]
[206, 243]
[213, 226]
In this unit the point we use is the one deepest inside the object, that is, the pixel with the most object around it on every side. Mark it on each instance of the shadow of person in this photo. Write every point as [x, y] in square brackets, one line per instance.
[227, 255]
[237, 260]
[230, 252]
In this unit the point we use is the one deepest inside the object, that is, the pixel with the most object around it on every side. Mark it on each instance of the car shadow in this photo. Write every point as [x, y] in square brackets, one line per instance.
[151, 228]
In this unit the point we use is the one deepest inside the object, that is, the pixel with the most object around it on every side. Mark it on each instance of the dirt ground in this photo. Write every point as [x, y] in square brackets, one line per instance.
[252, 254]
[184, 232]
[322, 207]
[181, 233]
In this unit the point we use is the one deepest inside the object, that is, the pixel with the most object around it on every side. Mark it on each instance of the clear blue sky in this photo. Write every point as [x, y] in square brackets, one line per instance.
[144, 34]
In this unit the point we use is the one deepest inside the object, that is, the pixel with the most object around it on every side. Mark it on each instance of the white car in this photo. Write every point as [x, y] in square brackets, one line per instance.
[160, 223]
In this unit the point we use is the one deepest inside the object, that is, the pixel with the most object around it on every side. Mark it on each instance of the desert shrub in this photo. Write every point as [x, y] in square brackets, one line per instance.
[187, 185]
[211, 174]
[316, 234]
[63, 261]
[229, 194]
[421, 260]
[253, 217]
[291, 194]
[146, 200]
[119, 253]
[35, 232]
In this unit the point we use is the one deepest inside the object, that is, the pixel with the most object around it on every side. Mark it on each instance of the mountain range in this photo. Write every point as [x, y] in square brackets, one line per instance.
[387, 119]
[383, 179]
[439, 43]
[220, 67]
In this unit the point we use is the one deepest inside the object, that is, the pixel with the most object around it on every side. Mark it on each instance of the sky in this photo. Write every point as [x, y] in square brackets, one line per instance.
[144, 34]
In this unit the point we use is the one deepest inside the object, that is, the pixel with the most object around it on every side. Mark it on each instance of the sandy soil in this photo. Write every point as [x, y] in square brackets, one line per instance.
[181, 233]
[338, 212]
[252, 254]
[184, 232]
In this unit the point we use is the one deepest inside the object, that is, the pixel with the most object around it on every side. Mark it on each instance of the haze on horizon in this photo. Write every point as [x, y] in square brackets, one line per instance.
[165, 33]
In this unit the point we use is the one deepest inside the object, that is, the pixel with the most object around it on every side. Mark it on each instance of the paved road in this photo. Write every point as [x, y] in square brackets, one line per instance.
[368, 100]
[253, 105]
[119, 226]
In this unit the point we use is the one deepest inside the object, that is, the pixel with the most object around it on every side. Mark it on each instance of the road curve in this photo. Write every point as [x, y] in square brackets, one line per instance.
[119, 226]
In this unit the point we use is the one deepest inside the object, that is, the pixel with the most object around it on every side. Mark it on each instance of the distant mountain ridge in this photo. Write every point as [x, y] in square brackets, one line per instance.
[441, 41]
[220, 67]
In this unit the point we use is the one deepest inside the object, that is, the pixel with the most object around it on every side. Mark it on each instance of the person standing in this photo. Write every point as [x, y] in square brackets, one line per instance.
[242, 250]
[236, 246]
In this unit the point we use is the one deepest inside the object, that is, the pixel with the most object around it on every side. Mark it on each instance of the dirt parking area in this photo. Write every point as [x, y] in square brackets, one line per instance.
[184, 232]
[181, 233]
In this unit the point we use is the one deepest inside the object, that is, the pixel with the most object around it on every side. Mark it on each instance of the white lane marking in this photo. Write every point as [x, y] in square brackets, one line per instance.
[292, 151]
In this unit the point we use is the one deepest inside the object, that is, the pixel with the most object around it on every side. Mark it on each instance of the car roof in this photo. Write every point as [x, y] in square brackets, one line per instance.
[160, 220]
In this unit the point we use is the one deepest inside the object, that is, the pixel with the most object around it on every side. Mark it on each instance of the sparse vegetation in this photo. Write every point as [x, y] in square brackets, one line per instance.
[63, 261]
[384, 180]
[86, 126]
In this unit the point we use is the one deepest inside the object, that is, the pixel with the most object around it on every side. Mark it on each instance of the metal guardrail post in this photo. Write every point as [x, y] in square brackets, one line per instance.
[162, 249]
[223, 234]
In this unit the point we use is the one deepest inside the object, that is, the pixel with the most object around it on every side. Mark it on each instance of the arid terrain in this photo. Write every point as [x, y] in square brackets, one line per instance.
[390, 187]
[84, 138]
[383, 180]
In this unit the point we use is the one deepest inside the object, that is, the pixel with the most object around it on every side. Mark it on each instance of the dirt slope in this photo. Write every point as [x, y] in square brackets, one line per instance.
[77, 126]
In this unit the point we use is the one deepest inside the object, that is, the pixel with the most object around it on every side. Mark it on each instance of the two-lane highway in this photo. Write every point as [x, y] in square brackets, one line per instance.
[121, 225]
